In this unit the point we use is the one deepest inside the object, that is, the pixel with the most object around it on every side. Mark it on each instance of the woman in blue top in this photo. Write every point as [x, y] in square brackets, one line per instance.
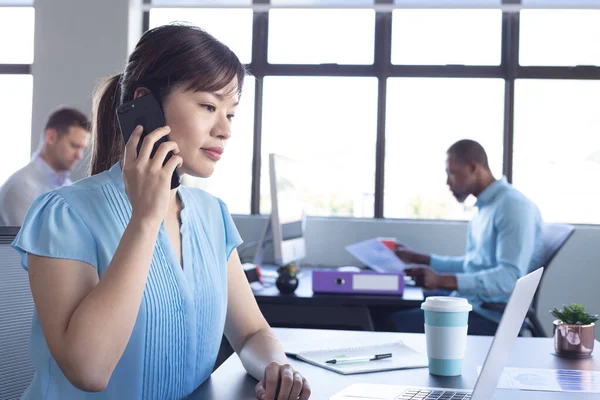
[134, 283]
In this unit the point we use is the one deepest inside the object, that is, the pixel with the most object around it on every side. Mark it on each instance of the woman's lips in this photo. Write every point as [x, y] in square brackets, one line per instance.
[214, 153]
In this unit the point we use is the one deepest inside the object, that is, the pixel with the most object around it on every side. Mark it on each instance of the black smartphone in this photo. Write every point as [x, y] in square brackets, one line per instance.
[147, 112]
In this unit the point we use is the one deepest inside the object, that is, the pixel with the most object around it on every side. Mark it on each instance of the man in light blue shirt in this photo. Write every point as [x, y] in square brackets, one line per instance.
[504, 242]
[66, 135]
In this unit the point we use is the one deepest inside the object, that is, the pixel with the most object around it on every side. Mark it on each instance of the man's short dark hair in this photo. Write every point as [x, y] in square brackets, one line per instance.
[64, 118]
[469, 151]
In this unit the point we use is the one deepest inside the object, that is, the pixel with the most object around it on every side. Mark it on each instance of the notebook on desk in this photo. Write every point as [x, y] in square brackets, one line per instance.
[402, 357]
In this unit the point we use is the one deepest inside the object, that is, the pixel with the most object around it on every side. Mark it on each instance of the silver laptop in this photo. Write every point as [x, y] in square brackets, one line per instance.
[506, 335]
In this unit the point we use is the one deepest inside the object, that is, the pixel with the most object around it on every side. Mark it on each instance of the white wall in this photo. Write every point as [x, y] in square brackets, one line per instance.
[573, 276]
[77, 43]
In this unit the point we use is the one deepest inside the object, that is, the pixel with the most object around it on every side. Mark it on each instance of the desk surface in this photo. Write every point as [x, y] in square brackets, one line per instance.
[230, 380]
[304, 295]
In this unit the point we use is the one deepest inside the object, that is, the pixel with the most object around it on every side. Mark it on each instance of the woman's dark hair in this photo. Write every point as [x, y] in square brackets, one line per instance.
[165, 56]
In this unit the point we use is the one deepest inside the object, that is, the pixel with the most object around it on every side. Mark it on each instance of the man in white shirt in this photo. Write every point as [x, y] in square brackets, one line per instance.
[66, 135]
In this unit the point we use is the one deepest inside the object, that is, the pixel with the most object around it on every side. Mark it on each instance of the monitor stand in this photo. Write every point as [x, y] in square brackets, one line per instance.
[291, 249]
[260, 248]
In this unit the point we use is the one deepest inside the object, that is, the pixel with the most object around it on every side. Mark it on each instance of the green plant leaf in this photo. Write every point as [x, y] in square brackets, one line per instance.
[574, 314]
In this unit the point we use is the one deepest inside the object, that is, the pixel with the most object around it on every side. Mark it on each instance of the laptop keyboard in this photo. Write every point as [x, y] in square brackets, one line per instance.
[419, 394]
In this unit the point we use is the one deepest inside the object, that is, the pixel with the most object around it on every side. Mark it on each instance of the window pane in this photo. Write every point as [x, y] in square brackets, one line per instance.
[555, 3]
[16, 31]
[16, 93]
[16, 2]
[559, 37]
[450, 2]
[308, 37]
[557, 148]
[318, 3]
[440, 37]
[424, 118]
[232, 179]
[231, 26]
[216, 3]
[306, 119]
[220, 3]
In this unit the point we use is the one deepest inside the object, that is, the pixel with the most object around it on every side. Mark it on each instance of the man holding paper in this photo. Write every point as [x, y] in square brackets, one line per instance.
[504, 241]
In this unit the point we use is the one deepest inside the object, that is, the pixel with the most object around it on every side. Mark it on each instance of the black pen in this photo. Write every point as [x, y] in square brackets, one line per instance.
[359, 359]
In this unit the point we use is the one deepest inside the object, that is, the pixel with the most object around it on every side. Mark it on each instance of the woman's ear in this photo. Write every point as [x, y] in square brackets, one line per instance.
[140, 92]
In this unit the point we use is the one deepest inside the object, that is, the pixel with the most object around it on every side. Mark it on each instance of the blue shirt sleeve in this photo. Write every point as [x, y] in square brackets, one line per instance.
[447, 264]
[515, 244]
[53, 229]
[232, 236]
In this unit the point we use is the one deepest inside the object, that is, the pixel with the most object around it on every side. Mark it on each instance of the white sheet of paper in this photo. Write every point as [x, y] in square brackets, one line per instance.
[374, 254]
[402, 357]
[550, 380]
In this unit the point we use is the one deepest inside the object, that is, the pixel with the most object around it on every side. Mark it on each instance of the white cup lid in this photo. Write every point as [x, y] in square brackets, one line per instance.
[446, 304]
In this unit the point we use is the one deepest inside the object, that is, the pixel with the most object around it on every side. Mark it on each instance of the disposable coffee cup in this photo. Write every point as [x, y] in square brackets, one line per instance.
[446, 324]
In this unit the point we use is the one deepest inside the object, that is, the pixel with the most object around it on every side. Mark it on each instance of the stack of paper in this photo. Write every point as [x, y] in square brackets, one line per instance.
[402, 357]
[377, 256]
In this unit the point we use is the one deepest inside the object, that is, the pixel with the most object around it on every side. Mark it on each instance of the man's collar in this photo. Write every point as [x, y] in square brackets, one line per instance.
[491, 191]
[58, 178]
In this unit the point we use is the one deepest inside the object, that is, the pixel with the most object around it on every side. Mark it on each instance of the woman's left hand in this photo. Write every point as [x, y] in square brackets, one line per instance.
[282, 382]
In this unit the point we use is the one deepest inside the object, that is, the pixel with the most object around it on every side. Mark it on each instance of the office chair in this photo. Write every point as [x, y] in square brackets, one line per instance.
[554, 238]
[16, 310]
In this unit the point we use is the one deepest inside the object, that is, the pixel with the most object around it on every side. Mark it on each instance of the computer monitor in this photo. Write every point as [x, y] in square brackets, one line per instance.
[286, 226]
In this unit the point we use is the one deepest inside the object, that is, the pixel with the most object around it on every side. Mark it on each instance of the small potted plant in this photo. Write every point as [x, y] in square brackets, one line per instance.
[287, 280]
[573, 331]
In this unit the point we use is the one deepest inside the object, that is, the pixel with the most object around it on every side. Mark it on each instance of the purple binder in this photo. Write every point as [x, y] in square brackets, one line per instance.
[363, 282]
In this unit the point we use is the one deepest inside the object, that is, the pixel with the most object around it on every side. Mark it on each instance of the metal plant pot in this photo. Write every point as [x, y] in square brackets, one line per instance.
[573, 341]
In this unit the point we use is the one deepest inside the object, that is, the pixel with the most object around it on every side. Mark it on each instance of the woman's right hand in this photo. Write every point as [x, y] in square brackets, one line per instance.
[147, 181]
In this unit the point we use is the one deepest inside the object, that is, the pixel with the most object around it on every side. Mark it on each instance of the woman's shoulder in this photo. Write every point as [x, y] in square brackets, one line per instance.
[71, 212]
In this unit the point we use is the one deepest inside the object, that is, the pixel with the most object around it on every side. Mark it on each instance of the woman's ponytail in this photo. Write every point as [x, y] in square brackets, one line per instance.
[107, 146]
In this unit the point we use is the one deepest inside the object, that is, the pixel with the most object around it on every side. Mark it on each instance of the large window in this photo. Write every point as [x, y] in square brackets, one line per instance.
[16, 84]
[307, 37]
[425, 116]
[560, 37]
[15, 113]
[557, 147]
[368, 101]
[440, 37]
[327, 125]
[231, 26]
[16, 31]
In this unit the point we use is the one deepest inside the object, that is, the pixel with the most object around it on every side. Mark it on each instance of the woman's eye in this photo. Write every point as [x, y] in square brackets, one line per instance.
[209, 107]
[230, 116]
